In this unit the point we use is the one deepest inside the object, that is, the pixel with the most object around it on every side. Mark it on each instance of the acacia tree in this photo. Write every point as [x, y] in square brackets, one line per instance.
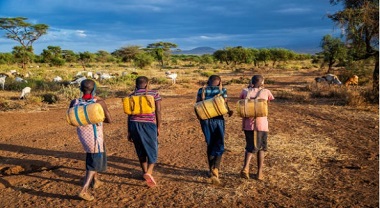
[23, 32]
[161, 50]
[360, 21]
[221, 56]
[333, 50]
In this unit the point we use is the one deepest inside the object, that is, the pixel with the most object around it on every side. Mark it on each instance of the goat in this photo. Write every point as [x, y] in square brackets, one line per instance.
[78, 80]
[90, 74]
[105, 76]
[329, 78]
[353, 80]
[124, 73]
[13, 72]
[167, 73]
[2, 80]
[332, 79]
[173, 77]
[19, 79]
[57, 79]
[25, 92]
[96, 76]
[80, 73]
[320, 79]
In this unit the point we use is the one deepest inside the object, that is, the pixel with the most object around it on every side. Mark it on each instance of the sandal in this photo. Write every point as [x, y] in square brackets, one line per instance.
[149, 180]
[96, 184]
[244, 174]
[86, 196]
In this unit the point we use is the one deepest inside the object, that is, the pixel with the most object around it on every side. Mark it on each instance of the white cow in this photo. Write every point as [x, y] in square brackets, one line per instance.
[25, 92]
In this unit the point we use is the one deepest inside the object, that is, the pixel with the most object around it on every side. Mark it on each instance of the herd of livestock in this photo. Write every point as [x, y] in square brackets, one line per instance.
[78, 78]
[82, 75]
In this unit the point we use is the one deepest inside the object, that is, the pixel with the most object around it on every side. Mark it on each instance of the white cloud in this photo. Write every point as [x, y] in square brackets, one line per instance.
[57, 35]
[294, 10]
[81, 33]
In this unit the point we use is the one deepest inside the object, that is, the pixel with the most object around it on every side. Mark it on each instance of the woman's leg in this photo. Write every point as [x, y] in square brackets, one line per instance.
[260, 164]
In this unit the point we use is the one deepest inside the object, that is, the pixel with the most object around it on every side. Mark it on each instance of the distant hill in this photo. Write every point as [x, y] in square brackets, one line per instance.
[196, 51]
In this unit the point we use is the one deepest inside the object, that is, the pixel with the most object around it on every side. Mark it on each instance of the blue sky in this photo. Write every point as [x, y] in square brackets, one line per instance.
[93, 25]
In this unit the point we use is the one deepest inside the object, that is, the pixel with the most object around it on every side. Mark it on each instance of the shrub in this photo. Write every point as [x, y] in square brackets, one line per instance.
[206, 73]
[6, 105]
[70, 92]
[159, 80]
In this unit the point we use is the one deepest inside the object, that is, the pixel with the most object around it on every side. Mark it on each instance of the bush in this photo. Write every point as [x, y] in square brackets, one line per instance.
[70, 92]
[6, 105]
[206, 73]
[159, 80]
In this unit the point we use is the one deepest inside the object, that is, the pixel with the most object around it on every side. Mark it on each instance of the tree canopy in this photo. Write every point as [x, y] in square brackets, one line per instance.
[359, 20]
[23, 32]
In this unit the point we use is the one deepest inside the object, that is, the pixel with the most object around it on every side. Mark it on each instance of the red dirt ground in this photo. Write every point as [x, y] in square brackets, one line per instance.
[320, 155]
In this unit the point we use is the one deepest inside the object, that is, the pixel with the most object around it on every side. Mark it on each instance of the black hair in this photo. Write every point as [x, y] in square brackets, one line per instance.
[213, 79]
[87, 86]
[257, 80]
[142, 82]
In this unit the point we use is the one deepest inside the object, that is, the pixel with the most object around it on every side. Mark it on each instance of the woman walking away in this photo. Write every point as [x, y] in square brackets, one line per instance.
[91, 137]
[255, 128]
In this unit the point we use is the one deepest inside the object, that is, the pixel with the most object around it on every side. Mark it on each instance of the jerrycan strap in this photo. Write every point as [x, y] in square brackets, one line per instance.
[84, 103]
[204, 91]
[248, 97]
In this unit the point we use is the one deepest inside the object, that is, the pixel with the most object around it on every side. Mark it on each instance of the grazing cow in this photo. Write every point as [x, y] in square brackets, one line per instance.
[173, 77]
[353, 80]
[25, 92]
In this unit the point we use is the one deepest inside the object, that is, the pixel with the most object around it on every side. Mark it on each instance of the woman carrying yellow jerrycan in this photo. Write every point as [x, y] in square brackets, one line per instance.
[143, 108]
[254, 110]
[211, 105]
